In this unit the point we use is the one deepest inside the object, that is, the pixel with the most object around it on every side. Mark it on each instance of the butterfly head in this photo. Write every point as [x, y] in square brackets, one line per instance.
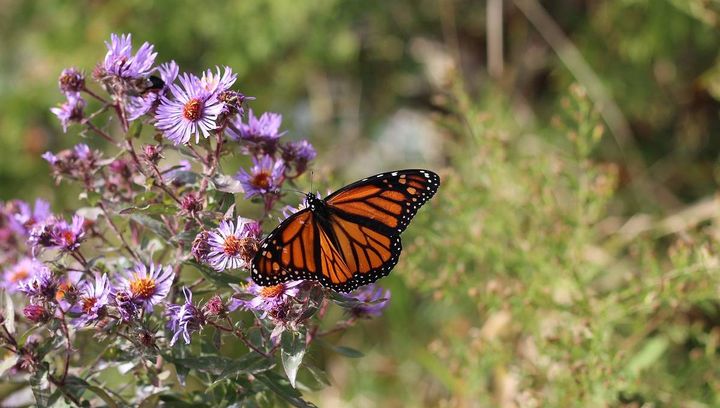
[313, 201]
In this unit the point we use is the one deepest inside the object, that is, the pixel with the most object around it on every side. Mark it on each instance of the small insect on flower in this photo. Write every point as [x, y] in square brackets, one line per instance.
[265, 177]
[193, 111]
[148, 286]
[233, 245]
[184, 319]
[42, 286]
[93, 300]
[68, 290]
[201, 247]
[71, 81]
[125, 303]
[71, 111]
[24, 270]
[152, 89]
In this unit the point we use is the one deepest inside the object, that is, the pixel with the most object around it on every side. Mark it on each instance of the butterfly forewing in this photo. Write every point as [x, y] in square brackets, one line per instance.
[354, 240]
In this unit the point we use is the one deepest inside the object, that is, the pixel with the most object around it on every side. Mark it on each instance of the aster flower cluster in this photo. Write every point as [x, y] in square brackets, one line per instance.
[151, 262]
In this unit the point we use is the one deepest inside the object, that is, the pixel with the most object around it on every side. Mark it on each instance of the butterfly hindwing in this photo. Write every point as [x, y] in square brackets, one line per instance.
[349, 239]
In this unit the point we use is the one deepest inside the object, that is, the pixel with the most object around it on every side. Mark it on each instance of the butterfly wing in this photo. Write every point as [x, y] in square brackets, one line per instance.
[290, 252]
[356, 243]
[387, 201]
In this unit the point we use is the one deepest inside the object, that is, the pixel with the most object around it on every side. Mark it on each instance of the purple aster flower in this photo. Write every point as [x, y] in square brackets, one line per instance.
[184, 319]
[67, 237]
[93, 300]
[268, 300]
[217, 83]
[24, 218]
[42, 286]
[193, 111]
[372, 301]
[120, 61]
[71, 81]
[232, 245]
[78, 162]
[41, 234]
[140, 105]
[148, 286]
[265, 177]
[21, 272]
[298, 154]
[70, 111]
[261, 134]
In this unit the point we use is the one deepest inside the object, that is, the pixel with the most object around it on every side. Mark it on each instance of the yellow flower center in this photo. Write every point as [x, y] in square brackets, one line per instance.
[272, 291]
[142, 287]
[261, 180]
[18, 275]
[87, 304]
[192, 109]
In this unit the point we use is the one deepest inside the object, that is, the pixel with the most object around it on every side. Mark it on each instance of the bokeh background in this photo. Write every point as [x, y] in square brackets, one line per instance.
[570, 258]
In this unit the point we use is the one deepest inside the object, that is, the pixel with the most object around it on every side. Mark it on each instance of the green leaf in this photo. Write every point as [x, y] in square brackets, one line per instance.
[227, 184]
[151, 209]
[103, 395]
[345, 351]
[154, 225]
[40, 385]
[8, 363]
[92, 197]
[649, 354]
[292, 352]
[218, 278]
[280, 387]
[9, 314]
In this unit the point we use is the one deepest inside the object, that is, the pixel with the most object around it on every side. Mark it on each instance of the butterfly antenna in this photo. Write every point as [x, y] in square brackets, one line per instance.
[312, 173]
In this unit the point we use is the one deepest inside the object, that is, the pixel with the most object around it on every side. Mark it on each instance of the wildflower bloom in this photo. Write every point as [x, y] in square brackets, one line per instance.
[215, 307]
[272, 300]
[24, 270]
[71, 111]
[93, 300]
[67, 237]
[372, 300]
[36, 313]
[71, 81]
[121, 62]
[298, 154]
[232, 245]
[41, 234]
[125, 303]
[217, 83]
[148, 285]
[23, 218]
[184, 319]
[140, 105]
[265, 177]
[192, 111]
[42, 286]
[191, 203]
[201, 246]
[265, 129]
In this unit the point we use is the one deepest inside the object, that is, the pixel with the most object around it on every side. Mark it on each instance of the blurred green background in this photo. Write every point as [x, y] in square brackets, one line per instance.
[570, 258]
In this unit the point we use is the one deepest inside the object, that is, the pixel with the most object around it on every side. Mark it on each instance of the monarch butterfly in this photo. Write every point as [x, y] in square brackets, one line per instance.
[349, 239]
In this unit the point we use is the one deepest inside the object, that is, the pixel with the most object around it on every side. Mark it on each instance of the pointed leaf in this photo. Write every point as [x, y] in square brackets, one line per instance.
[281, 388]
[292, 352]
[9, 314]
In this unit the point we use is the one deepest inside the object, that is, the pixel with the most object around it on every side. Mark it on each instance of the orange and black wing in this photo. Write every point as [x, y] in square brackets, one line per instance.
[356, 243]
[290, 252]
[387, 201]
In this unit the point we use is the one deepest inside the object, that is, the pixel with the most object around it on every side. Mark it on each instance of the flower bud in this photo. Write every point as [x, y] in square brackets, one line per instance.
[36, 313]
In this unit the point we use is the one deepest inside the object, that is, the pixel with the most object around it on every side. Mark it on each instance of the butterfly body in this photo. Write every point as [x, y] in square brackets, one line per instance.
[348, 239]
